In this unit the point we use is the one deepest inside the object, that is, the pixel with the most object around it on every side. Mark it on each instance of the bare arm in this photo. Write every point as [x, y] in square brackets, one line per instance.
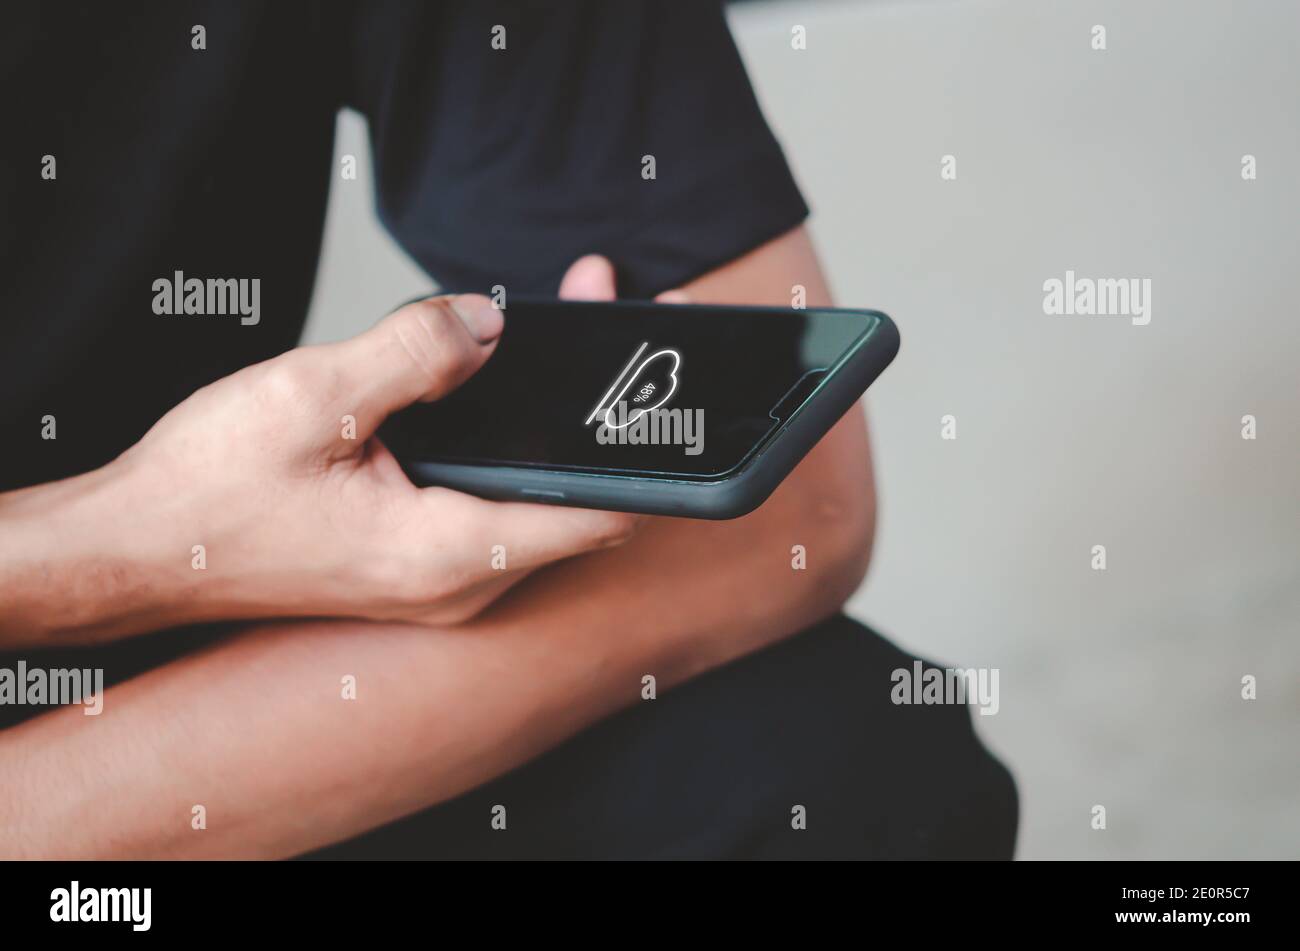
[262, 496]
[256, 731]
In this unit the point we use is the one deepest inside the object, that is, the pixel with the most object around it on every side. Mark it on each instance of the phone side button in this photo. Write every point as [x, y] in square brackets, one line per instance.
[548, 493]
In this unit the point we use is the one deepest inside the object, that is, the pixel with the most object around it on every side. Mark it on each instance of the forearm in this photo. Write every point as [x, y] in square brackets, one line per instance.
[258, 731]
[81, 559]
[118, 551]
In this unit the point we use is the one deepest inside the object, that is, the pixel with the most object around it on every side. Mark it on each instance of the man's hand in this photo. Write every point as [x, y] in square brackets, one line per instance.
[266, 494]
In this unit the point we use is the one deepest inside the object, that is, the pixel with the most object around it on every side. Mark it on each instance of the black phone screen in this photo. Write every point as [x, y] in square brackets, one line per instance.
[686, 390]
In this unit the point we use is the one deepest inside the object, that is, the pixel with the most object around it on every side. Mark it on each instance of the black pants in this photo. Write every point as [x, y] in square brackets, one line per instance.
[717, 767]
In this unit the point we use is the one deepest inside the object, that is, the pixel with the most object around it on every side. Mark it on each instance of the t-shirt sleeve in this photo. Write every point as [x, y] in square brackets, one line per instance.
[510, 139]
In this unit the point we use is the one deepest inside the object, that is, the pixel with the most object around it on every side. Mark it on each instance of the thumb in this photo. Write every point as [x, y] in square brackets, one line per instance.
[420, 352]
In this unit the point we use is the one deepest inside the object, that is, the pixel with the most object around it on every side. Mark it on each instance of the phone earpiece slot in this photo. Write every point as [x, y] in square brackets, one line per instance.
[795, 396]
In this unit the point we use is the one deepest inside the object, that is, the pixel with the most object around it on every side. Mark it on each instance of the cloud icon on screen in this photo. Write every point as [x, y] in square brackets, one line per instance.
[644, 384]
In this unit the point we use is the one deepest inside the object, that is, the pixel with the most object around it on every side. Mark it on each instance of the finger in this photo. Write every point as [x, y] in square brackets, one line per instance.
[589, 278]
[420, 352]
[530, 534]
[469, 603]
[675, 296]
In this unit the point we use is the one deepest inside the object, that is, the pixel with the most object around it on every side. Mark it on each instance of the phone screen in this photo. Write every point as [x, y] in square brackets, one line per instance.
[686, 391]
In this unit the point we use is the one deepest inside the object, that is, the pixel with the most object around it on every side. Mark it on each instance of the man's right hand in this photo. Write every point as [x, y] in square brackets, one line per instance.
[293, 517]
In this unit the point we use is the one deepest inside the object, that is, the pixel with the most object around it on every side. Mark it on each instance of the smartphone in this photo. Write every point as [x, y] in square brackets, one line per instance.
[665, 409]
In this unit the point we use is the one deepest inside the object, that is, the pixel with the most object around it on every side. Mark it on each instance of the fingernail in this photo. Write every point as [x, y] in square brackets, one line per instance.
[476, 312]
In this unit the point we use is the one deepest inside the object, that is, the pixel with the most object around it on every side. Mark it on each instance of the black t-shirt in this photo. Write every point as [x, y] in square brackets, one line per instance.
[492, 166]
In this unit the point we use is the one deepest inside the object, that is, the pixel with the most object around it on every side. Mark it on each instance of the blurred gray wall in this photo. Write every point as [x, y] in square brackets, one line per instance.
[1121, 687]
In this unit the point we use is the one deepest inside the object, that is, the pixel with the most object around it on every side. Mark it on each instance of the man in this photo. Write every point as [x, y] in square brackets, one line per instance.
[159, 524]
